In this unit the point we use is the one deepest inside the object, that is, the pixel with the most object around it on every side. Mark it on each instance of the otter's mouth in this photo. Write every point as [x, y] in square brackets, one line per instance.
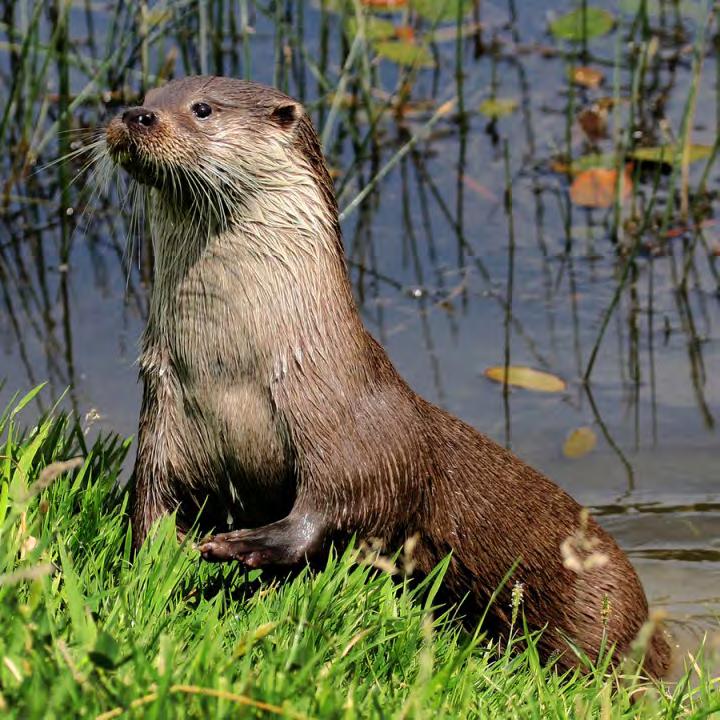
[139, 169]
[125, 152]
[130, 159]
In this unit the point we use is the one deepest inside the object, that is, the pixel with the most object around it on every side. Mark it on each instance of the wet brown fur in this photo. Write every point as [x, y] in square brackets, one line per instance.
[267, 402]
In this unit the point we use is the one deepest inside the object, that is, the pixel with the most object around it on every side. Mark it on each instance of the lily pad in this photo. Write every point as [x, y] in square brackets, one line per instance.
[376, 28]
[385, 5]
[666, 153]
[526, 377]
[690, 9]
[578, 26]
[441, 10]
[405, 53]
[498, 107]
[584, 162]
[579, 442]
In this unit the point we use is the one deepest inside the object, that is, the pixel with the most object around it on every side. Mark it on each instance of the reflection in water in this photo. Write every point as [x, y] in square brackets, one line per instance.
[464, 247]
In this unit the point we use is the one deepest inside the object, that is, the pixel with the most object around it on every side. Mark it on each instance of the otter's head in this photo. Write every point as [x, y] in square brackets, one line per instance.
[213, 143]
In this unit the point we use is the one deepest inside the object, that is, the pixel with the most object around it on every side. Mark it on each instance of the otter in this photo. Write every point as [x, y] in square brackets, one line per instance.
[269, 407]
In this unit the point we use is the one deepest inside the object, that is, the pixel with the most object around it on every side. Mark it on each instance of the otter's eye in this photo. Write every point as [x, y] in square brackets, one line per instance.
[201, 110]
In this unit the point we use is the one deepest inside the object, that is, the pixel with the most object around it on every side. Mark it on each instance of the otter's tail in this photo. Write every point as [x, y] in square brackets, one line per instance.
[657, 656]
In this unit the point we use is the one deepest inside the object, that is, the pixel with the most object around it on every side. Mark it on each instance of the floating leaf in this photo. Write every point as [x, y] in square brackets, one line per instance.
[526, 377]
[666, 153]
[577, 25]
[384, 4]
[596, 187]
[405, 53]
[579, 442]
[446, 108]
[375, 28]
[156, 17]
[405, 32]
[498, 107]
[593, 121]
[347, 7]
[441, 10]
[683, 228]
[585, 162]
[690, 9]
[587, 77]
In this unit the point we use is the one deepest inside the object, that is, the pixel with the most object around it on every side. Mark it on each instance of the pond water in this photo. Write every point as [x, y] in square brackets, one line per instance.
[431, 247]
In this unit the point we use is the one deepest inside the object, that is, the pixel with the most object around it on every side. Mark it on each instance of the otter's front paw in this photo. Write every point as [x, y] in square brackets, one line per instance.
[287, 542]
[238, 545]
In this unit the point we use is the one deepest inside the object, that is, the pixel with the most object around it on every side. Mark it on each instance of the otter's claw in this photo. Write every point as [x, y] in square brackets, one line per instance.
[233, 546]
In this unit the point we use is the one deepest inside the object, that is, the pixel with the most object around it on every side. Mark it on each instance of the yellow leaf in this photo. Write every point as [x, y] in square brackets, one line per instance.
[579, 442]
[584, 162]
[667, 153]
[526, 377]
[498, 107]
[375, 28]
[405, 53]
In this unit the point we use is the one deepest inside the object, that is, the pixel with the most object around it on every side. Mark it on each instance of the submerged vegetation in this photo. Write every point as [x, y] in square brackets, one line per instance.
[387, 84]
[89, 631]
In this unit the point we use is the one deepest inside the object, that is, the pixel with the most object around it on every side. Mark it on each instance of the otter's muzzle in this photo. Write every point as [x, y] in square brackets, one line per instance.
[131, 143]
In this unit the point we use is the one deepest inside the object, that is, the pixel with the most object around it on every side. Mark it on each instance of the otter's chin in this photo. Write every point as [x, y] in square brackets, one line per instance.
[117, 139]
[138, 170]
[128, 158]
[125, 154]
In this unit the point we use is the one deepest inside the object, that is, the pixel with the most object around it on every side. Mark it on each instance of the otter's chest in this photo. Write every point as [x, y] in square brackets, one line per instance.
[208, 336]
[228, 445]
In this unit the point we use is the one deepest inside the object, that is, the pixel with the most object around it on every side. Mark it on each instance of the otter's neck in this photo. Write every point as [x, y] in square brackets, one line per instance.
[266, 293]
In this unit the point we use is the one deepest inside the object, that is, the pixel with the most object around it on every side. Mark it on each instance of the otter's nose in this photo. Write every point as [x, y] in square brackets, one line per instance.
[139, 116]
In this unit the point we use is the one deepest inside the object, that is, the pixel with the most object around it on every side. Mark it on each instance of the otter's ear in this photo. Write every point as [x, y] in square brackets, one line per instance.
[287, 114]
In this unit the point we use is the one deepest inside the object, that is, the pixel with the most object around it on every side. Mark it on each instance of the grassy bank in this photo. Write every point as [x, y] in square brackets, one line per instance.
[89, 632]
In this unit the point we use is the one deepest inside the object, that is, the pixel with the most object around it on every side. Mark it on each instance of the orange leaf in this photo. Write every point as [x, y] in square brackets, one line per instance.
[676, 232]
[596, 187]
[405, 32]
[446, 108]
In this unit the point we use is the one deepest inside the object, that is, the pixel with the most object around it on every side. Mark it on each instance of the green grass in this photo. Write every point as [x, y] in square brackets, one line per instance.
[88, 631]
